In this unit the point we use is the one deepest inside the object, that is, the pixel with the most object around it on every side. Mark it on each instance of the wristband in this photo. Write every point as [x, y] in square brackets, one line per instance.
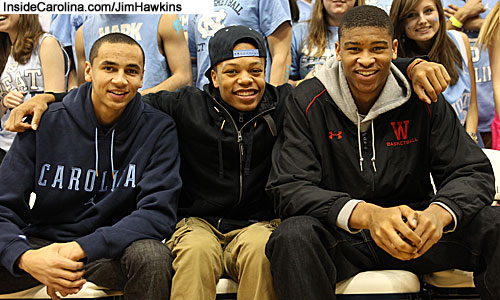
[57, 96]
[412, 65]
[455, 22]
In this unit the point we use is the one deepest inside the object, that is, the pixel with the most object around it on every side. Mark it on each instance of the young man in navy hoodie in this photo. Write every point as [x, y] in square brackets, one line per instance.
[105, 170]
[226, 135]
[350, 176]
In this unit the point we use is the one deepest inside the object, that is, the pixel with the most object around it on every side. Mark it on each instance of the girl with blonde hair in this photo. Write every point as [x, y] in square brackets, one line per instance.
[313, 41]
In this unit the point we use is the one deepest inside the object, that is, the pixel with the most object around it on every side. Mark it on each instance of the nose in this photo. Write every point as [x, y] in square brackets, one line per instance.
[120, 79]
[245, 78]
[366, 59]
[421, 18]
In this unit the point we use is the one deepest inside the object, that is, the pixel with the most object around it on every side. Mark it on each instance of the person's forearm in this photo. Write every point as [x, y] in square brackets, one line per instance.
[361, 215]
[173, 83]
[280, 70]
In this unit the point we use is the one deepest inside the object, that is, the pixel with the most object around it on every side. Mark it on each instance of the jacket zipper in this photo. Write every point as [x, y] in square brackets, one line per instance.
[240, 141]
[365, 150]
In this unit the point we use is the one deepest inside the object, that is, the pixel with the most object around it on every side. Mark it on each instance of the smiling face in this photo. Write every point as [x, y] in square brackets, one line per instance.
[335, 9]
[116, 74]
[422, 23]
[9, 23]
[366, 54]
[241, 81]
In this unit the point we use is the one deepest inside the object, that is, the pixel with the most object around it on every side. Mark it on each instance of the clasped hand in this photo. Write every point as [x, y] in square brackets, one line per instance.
[405, 233]
[57, 266]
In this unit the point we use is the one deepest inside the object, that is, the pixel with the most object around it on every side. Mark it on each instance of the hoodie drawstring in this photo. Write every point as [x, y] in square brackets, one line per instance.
[96, 154]
[361, 159]
[111, 154]
[359, 145]
[373, 147]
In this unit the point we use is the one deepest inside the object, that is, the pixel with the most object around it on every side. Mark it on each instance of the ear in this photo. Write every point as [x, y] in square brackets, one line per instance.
[213, 74]
[394, 49]
[142, 78]
[337, 51]
[88, 71]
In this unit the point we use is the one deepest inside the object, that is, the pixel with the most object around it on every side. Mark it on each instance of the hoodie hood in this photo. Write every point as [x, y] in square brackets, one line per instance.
[395, 93]
[79, 106]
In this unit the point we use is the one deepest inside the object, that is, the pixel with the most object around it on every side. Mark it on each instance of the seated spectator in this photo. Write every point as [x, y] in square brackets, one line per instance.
[313, 41]
[100, 216]
[167, 54]
[269, 18]
[226, 139]
[31, 62]
[420, 27]
[488, 37]
[350, 176]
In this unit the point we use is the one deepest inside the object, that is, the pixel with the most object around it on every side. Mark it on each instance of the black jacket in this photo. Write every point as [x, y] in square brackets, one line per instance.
[316, 163]
[225, 154]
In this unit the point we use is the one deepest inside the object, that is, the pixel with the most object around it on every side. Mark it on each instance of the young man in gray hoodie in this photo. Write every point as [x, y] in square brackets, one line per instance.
[350, 176]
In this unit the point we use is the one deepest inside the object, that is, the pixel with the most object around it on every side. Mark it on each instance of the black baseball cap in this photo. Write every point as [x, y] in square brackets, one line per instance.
[220, 46]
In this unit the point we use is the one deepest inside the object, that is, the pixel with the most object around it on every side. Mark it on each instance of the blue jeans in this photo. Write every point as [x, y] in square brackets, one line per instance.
[144, 271]
[308, 258]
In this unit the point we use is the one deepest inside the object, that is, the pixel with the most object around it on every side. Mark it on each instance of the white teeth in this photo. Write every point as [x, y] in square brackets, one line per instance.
[245, 93]
[119, 93]
[366, 73]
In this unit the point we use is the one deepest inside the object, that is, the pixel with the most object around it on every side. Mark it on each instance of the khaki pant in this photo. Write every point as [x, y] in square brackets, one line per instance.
[202, 255]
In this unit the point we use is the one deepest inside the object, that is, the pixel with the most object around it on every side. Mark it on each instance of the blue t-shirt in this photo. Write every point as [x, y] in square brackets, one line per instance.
[384, 4]
[264, 16]
[305, 10]
[482, 70]
[143, 29]
[458, 95]
[302, 62]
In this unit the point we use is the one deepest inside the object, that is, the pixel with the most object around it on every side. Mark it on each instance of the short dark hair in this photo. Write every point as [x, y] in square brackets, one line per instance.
[365, 16]
[113, 38]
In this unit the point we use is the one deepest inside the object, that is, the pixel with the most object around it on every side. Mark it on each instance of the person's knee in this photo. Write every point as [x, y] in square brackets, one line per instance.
[197, 244]
[148, 254]
[294, 232]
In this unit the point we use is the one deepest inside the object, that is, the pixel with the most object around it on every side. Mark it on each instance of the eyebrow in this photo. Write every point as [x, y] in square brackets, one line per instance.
[372, 43]
[112, 63]
[235, 64]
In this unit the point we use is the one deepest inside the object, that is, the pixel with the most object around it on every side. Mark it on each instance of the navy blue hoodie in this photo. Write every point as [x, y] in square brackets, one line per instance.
[67, 162]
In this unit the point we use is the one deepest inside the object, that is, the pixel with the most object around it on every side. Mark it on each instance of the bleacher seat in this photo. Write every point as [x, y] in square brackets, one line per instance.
[383, 284]
[226, 289]
[89, 291]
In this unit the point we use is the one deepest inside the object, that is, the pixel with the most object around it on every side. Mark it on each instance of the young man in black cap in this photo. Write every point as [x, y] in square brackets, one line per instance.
[226, 135]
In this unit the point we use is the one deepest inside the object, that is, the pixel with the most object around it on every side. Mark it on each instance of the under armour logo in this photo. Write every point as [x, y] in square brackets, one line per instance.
[400, 132]
[338, 134]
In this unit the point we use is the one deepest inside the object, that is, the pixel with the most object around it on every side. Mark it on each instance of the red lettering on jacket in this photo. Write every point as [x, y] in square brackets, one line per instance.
[400, 132]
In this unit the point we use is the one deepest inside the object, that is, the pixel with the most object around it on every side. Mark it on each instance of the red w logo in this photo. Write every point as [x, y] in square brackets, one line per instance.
[400, 131]
[337, 134]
